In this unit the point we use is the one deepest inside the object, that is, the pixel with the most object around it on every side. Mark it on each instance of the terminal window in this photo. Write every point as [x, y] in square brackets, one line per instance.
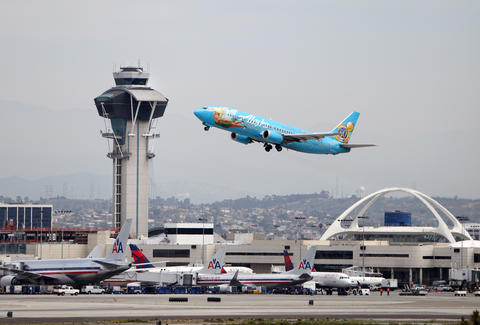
[171, 253]
[340, 255]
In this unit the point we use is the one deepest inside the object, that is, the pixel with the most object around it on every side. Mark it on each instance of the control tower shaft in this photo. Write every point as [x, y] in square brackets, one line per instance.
[131, 106]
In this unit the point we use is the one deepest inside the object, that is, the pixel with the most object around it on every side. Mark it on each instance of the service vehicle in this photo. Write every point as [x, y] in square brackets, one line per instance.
[64, 289]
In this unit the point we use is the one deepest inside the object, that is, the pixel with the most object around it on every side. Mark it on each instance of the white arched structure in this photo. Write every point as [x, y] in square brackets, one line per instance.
[442, 229]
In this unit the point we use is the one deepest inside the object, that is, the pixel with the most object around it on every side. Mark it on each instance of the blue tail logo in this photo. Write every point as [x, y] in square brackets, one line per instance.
[346, 127]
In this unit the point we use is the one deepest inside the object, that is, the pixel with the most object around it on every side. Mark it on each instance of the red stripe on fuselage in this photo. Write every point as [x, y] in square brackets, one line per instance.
[79, 272]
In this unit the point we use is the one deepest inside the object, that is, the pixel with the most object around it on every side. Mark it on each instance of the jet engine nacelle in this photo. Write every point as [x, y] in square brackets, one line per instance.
[8, 280]
[272, 137]
[240, 138]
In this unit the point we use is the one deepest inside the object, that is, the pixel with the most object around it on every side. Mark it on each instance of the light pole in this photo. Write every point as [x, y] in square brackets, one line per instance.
[298, 226]
[41, 232]
[363, 243]
[203, 219]
[462, 220]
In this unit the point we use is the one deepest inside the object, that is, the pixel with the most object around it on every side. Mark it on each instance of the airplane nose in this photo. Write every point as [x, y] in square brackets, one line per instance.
[200, 114]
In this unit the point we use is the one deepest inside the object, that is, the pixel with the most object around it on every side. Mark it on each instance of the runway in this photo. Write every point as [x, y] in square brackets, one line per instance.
[31, 308]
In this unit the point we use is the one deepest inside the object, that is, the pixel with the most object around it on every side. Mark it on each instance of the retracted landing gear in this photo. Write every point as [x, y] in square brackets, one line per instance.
[278, 147]
[267, 147]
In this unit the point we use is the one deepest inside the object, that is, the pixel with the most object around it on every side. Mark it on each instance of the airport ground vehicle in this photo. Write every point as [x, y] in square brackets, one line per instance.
[93, 289]
[64, 289]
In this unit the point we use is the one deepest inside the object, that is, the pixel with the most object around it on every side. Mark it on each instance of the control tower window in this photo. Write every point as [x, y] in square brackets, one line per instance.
[131, 81]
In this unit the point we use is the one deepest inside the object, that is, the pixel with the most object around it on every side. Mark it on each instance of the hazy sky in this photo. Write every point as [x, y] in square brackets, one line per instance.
[411, 68]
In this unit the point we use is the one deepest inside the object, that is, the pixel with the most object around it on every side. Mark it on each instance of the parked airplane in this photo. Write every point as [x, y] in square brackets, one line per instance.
[247, 128]
[324, 280]
[141, 261]
[148, 274]
[75, 271]
[294, 277]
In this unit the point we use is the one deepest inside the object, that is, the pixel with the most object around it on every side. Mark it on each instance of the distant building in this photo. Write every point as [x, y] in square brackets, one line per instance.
[397, 218]
[20, 216]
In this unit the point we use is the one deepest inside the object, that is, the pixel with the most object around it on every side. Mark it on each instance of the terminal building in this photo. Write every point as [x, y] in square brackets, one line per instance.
[401, 251]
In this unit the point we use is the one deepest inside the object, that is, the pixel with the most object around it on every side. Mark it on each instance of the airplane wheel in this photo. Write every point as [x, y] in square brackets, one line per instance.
[278, 147]
[267, 149]
[206, 128]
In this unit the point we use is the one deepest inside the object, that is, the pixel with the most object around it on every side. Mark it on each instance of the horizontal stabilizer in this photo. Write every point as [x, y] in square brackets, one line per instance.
[346, 145]
[306, 136]
[109, 265]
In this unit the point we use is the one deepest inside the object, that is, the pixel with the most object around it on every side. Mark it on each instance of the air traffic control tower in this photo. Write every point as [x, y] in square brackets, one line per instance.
[131, 106]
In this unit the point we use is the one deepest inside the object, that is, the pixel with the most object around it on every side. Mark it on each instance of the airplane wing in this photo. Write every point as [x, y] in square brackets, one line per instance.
[28, 275]
[234, 281]
[306, 136]
[346, 145]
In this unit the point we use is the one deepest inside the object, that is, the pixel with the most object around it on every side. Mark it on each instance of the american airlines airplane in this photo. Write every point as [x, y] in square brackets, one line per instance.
[247, 128]
[294, 277]
[74, 271]
[324, 280]
[141, 261]
[146, 273]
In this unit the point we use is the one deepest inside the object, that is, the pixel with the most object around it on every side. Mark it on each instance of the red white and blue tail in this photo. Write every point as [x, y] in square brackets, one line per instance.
[215, 264]
[119, 248]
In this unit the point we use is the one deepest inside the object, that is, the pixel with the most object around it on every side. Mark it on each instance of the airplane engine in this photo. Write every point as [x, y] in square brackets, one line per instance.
[224, 288]
[240, 138]
[272, 137]
[8, 280]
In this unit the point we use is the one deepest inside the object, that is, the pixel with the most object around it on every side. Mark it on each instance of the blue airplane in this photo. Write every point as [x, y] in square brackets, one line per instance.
[247, 128]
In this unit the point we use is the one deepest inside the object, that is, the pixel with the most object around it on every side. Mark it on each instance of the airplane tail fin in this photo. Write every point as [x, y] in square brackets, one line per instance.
[306, 263]
[120, 245]
[288, 261]
[215, 264]
[346, 127]
[96, 252]
[139, 257]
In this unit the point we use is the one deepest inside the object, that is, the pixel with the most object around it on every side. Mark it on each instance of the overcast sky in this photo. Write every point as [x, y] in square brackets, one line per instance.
[411, 68]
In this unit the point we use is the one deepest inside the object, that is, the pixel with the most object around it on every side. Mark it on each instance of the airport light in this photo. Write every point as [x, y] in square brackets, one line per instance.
[462, 220]
[363, 243]
[203, 219]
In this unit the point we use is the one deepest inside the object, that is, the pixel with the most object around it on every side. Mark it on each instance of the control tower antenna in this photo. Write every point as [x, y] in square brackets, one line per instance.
[131, 106]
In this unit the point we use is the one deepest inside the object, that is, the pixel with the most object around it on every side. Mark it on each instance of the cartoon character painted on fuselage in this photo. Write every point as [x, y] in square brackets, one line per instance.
[247, 128]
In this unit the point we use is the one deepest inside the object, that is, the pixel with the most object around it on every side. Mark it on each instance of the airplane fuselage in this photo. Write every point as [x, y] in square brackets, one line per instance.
[266, 280]
[246, 128]
[76, 271]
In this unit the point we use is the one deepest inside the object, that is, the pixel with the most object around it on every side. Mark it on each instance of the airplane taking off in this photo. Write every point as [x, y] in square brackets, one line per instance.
[73, 271]
[247, 128]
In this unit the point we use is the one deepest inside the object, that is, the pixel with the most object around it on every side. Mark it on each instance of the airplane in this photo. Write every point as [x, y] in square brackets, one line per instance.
[293, 277]
[141, 261]
[74, 271]
[324, 280]
[147, 273]
[247, 128]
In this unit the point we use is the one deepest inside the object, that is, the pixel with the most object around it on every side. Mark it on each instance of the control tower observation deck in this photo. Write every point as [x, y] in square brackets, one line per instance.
[131, 106]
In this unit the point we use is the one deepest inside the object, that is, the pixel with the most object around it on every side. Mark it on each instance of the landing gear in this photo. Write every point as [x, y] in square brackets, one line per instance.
[278, 147]
[267, 147]
[206, 128]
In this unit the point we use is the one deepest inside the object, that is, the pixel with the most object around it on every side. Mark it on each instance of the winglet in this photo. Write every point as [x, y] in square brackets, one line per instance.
[120, 245]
